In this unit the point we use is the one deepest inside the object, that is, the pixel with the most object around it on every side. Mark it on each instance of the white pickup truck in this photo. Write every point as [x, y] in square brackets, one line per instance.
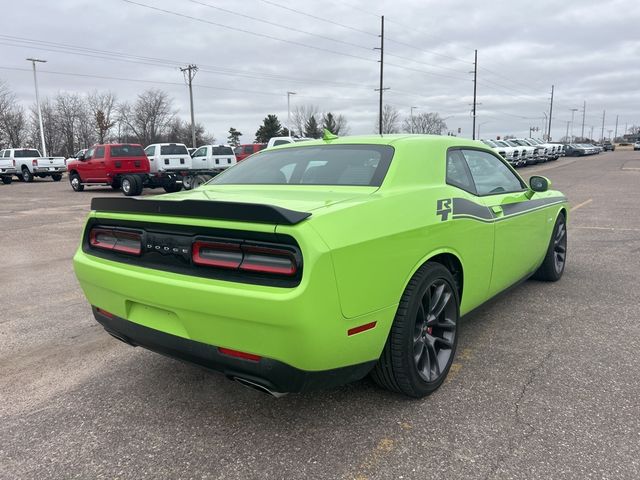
[29, 164]
[7, 167]
[213, 157]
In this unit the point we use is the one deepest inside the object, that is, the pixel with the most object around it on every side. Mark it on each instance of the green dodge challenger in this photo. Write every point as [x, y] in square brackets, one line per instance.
[314, 264]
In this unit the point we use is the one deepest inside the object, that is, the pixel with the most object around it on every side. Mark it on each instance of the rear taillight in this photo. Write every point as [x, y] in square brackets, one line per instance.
[268, 260]
[129, 242]
[34, 162]
[245, 257]
[14, 163]
[217, 254]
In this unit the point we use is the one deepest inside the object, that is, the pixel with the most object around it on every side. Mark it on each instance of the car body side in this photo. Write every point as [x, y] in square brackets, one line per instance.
[359, 251]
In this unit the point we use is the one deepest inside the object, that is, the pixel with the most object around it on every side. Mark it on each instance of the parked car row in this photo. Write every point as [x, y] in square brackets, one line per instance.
[520, 152]
[582, 149]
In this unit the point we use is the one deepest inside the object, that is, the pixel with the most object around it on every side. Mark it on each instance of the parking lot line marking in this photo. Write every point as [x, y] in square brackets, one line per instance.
[586, 202]
[611, 229]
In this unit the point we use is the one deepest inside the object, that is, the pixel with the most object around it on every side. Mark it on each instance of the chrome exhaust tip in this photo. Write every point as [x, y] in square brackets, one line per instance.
[258, 387]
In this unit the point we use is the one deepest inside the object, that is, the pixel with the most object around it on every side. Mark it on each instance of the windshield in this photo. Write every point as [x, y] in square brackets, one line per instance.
[126, 151]
[173, 149]
[513, 143]
[26, 153]
[364, 165]
[489, 142]
[221, 151]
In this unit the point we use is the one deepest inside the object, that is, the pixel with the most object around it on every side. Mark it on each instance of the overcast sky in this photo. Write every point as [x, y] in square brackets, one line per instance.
[323, 51]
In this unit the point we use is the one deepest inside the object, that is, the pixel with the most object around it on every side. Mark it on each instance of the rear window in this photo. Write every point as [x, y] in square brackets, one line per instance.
[221, 151]
[26, 153]
[364, 165]
[173, 150]
[127, 151]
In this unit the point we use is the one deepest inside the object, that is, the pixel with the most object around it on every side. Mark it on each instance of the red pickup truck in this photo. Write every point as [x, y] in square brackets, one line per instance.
[120, 165]
[244, 150]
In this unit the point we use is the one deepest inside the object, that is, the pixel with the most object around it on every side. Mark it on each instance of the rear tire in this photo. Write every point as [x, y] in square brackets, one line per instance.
[423, 338]
[555, 259]
[56, 177]
[27, 176]
[7, 180]
[172, 187]
[76, 182]
[187, 182]
[198, 180]
[131, 185]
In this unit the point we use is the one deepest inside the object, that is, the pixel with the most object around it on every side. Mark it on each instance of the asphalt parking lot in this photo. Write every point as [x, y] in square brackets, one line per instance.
[546, 382]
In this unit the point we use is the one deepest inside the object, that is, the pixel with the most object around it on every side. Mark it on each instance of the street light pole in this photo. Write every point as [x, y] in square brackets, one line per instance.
[412, 108]
[289, 111]
[35, 81]
[573, 111]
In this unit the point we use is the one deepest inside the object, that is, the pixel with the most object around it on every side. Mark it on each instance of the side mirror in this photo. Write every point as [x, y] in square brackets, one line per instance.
[539, 183]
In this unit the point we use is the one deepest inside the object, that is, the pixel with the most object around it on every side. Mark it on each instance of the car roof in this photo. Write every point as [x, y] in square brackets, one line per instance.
[393, 139]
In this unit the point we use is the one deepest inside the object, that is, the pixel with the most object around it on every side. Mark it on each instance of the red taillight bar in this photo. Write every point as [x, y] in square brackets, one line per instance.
[220, 254]
[268, 260]
[245, 257]
[34, 162]
[116, 240]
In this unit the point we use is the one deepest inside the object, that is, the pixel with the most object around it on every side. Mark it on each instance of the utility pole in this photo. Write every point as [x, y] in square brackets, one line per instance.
[573, 111]
[289, 111]
[189, 73]
[602, 134]
[609, 134]
[591, 135]
[381, 89]
[544, 131]
[615, 135]
[584, 109]
[475, 83]
[550, 112]
[411, 115]
[567, 134]
[35, 81]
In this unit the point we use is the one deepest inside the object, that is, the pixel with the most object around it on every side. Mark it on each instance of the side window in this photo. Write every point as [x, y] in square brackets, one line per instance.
[99, 152]
[89, 153]
[280, 142]
[248, 149]
[201, 152]
[458, 173]
[149, 151]
[490, 174]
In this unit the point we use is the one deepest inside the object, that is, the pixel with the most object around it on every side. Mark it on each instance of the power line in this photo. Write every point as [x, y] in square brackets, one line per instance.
[132, 58]
[248, 32]
[279, 25]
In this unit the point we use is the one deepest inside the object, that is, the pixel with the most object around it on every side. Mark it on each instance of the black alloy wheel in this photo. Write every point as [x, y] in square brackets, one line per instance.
[560, 246]
[434, 331]
[555, 260]
[422, 342]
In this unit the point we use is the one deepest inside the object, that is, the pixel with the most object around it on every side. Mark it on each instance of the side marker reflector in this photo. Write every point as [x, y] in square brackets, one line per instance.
[361, 328]
[237, 354]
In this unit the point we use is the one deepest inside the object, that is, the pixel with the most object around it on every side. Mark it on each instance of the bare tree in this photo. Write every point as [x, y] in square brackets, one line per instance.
[301, 115]
[179, 131]
[102, 106]
[390, 120]
[67, 115]
[12, 119]
[425, 123]
[150, 117]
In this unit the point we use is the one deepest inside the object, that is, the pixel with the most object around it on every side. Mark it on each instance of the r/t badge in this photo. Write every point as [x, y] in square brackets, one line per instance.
[444, 208]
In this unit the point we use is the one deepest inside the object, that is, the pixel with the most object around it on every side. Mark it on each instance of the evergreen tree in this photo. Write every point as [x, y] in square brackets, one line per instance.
[311, 128]
[270, 128]
[329, 122]
[234, 137]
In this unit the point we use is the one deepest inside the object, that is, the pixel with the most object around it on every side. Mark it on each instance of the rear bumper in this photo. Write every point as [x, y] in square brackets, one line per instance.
[8, 171]
[272, 374]
[49, 169]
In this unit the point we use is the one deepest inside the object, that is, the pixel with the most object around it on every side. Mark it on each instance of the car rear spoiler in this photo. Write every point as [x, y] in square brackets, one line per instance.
[234, 211]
